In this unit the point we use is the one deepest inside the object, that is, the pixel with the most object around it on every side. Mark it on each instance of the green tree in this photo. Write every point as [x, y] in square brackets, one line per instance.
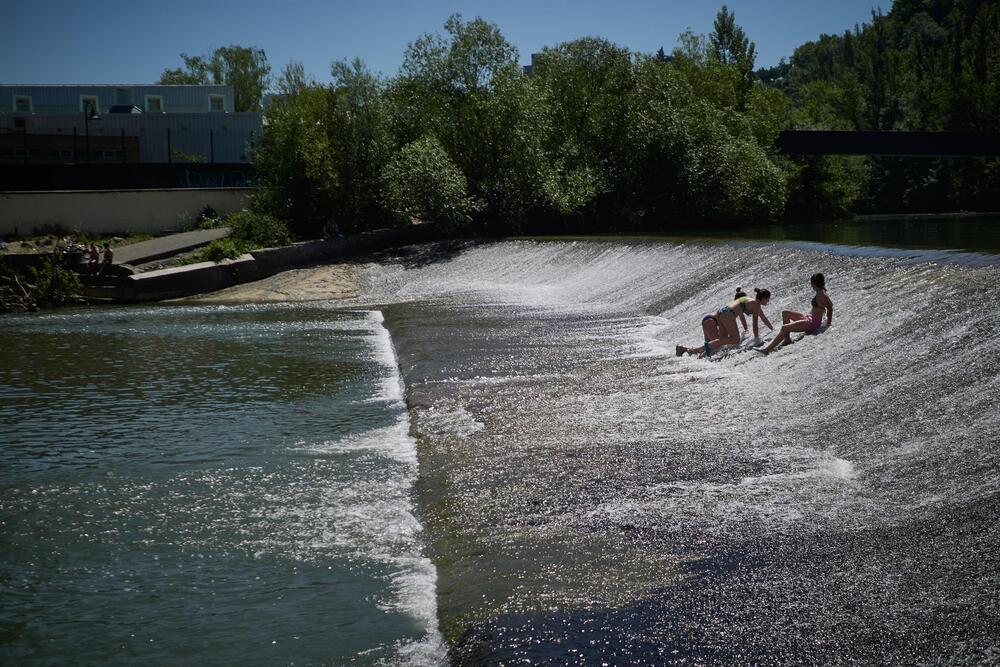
[729, 45]
[324, 151]
[422, 182]
[298, 177]
[293, 79]
[468, 90]
[585, 84]
[244, 68]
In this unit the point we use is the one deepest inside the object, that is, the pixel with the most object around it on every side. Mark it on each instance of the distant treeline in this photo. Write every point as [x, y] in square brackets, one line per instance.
[597, 138]
[928, 65]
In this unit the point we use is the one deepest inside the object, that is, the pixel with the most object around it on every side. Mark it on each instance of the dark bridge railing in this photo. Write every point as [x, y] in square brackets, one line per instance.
[914, 144]
[126, 176]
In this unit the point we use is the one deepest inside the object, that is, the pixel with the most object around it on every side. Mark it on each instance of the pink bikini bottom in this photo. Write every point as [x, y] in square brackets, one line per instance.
[812, 322]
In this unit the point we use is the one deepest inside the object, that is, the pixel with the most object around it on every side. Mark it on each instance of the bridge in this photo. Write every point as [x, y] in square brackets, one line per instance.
[903, 144]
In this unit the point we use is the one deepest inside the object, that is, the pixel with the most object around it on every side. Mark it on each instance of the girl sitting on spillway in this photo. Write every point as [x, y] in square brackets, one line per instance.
[720, 326]
[809, 322]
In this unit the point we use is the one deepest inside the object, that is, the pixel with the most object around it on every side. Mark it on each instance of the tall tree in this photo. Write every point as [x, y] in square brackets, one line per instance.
[728, 44]
[244, 68]
[293, 79]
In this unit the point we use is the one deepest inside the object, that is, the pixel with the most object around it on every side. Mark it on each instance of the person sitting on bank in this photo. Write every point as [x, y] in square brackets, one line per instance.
[109, 256]
[93, 256]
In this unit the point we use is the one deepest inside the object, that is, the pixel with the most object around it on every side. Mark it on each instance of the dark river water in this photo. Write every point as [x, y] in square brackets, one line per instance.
[493, 456]
[208, 485]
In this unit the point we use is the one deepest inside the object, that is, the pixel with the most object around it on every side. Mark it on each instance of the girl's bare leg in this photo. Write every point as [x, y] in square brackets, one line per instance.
[721, 342]
[729, 332]
[784, 336]
[710, 328]
[791, 316]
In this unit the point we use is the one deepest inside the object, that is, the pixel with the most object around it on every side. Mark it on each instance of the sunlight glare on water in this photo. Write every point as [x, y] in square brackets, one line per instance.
[218, 485]
[584, 488]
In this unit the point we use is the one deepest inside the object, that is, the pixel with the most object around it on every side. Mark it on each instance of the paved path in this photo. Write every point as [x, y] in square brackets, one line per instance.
[166, 246]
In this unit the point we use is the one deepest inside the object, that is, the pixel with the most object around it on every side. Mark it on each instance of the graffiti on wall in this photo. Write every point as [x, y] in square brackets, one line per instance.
[198, 178]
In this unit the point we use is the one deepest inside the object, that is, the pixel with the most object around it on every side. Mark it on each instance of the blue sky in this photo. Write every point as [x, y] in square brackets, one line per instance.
[111, 41]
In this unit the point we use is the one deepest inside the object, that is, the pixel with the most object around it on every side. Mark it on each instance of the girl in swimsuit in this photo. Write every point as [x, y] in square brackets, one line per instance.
[809, 322]
[720, 326]
[753, 307]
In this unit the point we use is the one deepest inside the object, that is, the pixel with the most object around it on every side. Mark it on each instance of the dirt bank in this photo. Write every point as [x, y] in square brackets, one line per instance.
[316, 283]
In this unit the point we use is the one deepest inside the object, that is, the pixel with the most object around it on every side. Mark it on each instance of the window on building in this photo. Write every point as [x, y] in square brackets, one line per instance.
[123, 96]
[154, 104]
[216, 103]
[22, 104]
[88, 104]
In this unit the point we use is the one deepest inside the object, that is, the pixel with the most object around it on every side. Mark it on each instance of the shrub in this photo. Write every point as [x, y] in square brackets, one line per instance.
[53, 283]
[220, 249]
[258, 230]
[423, 182]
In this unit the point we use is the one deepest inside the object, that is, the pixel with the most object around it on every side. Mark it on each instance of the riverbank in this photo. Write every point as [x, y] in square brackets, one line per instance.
[315, 283]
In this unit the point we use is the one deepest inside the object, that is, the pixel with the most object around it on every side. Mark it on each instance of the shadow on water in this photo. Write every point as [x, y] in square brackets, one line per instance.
[420, 256]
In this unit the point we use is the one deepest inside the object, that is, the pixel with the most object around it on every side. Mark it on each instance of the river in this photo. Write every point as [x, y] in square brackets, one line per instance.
[493, 448]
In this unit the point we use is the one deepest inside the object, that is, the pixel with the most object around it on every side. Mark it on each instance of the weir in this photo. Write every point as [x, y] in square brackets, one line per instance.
[589, 496]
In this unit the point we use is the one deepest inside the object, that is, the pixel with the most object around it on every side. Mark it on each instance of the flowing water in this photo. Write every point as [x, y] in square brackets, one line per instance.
[246, 485]
[591, 497]
[208, 485]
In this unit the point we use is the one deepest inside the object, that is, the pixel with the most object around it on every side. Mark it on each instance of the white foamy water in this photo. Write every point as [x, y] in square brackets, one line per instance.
[374, 516]
[543, 376]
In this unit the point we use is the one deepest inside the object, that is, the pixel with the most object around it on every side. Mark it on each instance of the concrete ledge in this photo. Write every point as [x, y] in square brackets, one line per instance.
[187, 280]
[204, 277]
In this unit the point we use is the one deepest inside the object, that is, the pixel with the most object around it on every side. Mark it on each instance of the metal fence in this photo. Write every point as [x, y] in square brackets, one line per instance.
[75, 139]
[117, 176]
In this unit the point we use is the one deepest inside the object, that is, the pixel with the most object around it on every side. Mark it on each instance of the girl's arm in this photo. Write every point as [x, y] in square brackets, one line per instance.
[756, 333]
[743, 319]
[829, 311]
[764, 317]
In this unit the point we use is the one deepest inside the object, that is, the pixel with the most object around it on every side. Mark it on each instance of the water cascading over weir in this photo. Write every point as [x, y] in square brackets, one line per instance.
[588, 496]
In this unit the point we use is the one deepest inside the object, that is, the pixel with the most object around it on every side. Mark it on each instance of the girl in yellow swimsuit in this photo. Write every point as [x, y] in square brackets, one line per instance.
[720, 326]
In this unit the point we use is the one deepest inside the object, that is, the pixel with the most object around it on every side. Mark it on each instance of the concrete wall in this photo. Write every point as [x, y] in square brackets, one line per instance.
[113, 211]
[209, 277]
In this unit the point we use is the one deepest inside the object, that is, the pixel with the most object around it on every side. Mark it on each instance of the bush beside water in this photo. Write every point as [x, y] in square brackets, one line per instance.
[248, 231]
[51, 284]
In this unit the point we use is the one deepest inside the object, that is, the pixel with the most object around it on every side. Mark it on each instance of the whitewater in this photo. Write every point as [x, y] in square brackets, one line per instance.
[589, 496]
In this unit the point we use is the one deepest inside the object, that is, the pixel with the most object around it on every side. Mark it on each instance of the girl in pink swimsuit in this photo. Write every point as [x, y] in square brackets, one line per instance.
[808, 322]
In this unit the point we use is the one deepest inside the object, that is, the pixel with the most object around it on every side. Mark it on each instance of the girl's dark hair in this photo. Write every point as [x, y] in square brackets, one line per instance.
[739, 293]
[762, 293]
[818, 280]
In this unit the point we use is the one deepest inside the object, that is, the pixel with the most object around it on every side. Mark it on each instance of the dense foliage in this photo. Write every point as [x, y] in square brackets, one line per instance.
[50, 284]
[927, 65]
[596, 138]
